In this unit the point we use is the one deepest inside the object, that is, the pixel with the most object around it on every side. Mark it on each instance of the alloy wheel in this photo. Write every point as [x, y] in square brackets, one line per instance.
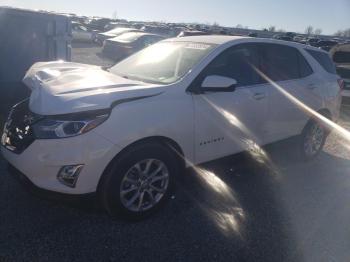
[144, 185]
[314, 139]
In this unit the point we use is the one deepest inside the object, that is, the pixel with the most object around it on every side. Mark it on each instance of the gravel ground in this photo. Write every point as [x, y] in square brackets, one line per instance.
[89, 54]
[270, 207]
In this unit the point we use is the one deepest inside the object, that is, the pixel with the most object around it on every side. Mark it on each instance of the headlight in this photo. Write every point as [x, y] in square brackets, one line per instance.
[68, 125]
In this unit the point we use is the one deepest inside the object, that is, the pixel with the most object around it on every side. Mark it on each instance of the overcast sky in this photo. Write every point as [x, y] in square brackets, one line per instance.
[291, 15]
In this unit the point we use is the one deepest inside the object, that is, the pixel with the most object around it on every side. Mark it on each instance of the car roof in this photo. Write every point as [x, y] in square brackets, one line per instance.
[223, 39]
[139, 33]
[208, 39]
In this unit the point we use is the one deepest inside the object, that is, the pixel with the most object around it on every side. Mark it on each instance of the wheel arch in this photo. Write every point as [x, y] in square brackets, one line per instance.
[323, 111]
[165, 141]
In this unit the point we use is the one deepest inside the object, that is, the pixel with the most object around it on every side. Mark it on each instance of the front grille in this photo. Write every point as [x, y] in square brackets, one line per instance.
[18, 134]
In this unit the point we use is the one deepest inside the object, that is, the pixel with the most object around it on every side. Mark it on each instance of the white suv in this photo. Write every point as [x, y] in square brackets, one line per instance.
[127, 132]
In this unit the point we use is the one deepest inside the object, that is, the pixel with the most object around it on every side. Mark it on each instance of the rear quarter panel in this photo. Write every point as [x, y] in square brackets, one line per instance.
[328, 85]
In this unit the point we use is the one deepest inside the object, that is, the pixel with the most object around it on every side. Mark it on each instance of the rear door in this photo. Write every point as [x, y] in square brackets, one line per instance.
[230, 122]
[291, 87]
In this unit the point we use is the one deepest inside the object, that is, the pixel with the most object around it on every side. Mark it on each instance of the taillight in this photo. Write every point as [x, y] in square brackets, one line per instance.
[341, 83]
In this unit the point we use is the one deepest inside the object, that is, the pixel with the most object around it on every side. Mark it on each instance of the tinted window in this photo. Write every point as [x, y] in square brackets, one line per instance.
[238, 63]
[324, 60]
[341, 57]
[280, 62]
[343, 72]
[304, 67]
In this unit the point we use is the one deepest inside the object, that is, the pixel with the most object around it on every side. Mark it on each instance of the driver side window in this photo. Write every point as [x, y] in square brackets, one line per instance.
[238, 62]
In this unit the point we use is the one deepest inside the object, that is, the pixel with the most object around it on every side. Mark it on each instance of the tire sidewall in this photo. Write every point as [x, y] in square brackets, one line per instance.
[111, 187]
[304, 135]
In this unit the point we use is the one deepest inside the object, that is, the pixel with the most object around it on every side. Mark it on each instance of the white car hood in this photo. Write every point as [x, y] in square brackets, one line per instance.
[65, 87]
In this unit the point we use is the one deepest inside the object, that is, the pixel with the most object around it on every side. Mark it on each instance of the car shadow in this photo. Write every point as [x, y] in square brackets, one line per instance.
[233, 209]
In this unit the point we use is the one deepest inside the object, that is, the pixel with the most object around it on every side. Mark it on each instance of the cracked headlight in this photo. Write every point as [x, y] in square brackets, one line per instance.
[51, 127]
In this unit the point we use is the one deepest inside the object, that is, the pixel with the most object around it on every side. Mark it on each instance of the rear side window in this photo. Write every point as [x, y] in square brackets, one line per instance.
[304, 67]
[280, 62]
[324, 60]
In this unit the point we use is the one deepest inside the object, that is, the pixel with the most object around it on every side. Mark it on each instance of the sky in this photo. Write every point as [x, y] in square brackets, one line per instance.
[290, 15]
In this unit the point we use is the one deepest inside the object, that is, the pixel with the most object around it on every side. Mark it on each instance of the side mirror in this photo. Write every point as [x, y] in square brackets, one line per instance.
[215, 83]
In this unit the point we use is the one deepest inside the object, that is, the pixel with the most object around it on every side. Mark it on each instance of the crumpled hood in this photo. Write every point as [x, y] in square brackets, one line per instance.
[65, 87]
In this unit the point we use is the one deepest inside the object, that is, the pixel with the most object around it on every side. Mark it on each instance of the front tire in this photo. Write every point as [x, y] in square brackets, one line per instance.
[139, 181]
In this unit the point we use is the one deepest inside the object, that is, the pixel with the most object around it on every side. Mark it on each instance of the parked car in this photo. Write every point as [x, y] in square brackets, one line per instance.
[192, 33]
[253, 34]
[283, 37]
[157, 29]
[98, 23]
[81, 33]
[290, 34]
[128, 132]
[122, 46]
[112, 25]
[313, 41]
[341, 57]
[326, 44]
[101, 37]
[299, 39]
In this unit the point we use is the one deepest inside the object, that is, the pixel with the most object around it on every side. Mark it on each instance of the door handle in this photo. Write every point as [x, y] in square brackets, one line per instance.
[259, 96]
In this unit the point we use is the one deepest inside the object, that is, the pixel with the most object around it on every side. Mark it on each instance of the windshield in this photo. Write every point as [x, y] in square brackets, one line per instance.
[163, 63]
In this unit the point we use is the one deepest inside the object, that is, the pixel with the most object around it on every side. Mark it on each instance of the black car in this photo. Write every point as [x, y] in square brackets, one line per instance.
[326, 44]
[313, 41]
[122, 46]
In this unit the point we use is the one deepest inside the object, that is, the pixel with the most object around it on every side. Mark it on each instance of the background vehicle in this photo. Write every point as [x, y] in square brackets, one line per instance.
[283, 37]
[201, 98]
[122, 46]
[101, 37]
[192, 33]
[98, 23]
[341, 57]
[313, 41]
[163, 30]
[113, 25]
[252, 34]
[325, 44]
[81, 33]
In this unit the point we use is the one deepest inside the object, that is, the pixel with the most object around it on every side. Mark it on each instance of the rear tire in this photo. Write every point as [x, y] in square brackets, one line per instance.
[312, 139]
[139, 182]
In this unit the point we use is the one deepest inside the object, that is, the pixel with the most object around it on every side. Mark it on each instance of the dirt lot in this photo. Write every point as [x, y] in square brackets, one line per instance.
[89, 54]
[278, 209]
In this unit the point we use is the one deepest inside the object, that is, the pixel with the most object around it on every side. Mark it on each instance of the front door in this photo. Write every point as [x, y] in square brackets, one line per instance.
[230, 122]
